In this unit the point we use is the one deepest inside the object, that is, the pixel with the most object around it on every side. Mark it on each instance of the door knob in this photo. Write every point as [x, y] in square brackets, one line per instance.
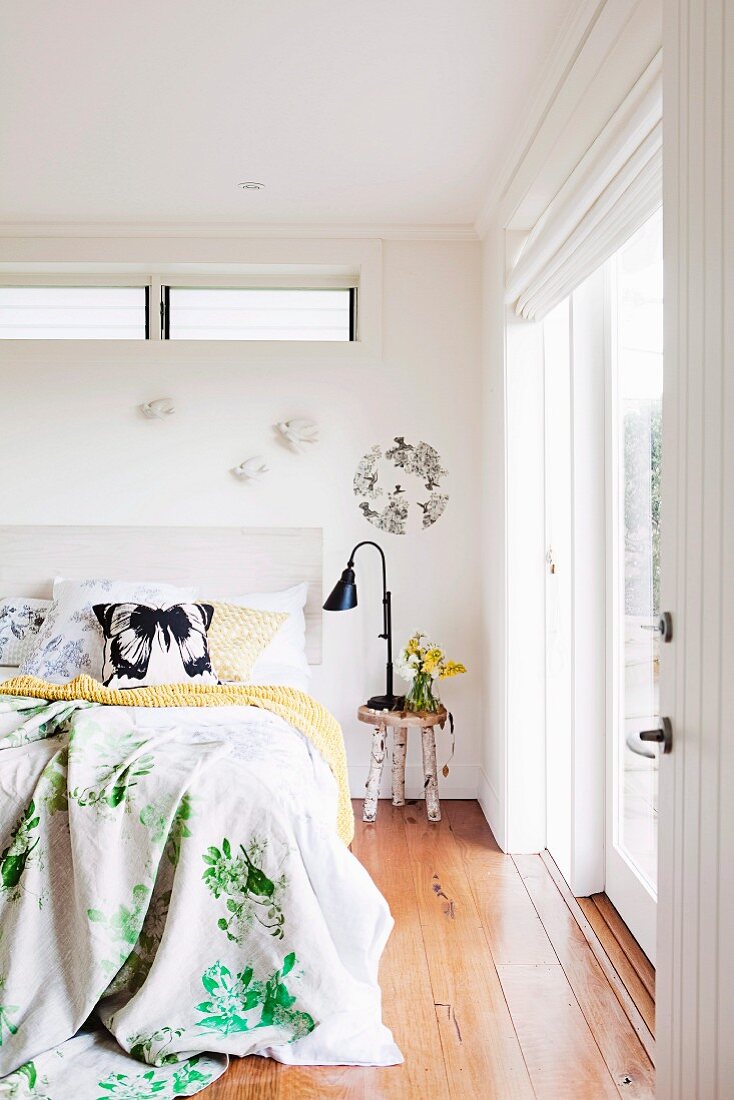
[665, 626]
[663, 735]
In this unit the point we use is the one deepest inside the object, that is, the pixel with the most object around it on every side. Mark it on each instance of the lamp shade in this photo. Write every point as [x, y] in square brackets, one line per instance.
[343, 596]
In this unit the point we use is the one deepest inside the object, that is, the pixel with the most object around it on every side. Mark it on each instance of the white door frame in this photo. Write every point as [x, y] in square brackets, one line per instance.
[577, 743]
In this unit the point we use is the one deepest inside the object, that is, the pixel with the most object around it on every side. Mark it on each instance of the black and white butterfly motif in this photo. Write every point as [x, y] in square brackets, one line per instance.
[155, 644]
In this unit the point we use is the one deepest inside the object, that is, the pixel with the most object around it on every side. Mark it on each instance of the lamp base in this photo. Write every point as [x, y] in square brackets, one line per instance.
[386, 702]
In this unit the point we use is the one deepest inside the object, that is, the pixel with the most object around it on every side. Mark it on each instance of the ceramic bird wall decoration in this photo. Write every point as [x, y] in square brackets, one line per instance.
[158, 409]
[299, 433]
[251, 469]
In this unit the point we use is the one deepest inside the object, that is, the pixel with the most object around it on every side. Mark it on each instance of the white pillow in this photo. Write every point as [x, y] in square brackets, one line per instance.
[21, 618]
[288, 647]
[280, 676]
[70, 641]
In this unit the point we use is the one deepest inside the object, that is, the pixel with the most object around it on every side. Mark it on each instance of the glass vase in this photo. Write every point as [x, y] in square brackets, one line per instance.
[421, 696]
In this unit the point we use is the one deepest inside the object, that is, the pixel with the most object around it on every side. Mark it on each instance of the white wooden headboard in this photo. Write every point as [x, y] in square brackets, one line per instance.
[219, 561]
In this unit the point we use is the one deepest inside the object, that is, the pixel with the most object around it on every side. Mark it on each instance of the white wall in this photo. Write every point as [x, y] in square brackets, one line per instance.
[512, 780]
[76, 451]
[492, 781]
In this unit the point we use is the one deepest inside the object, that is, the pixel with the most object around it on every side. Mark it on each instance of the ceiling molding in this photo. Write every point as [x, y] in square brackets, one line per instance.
[574, 33]
[237, 231]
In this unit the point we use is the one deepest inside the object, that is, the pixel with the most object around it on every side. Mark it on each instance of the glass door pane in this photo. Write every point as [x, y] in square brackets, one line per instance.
[638, 374]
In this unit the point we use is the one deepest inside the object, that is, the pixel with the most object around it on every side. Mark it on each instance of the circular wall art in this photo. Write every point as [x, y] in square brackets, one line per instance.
[401, 482]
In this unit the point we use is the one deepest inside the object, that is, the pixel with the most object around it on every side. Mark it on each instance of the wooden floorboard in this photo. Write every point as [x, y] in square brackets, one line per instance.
[489, 986]
[480, 1046]
[408, 1001]
[559, 1048]
[511, 924]
[615, 982]
[247, 1079]
[529, 967]
[619, 1044]
[643, 967]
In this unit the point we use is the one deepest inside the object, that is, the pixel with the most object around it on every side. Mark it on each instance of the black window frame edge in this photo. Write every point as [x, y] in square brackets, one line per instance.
[353, 314]
[165, 312]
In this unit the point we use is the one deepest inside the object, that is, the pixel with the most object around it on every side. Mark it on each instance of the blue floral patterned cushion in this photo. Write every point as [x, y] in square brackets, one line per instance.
[70, 641]
[21, 618]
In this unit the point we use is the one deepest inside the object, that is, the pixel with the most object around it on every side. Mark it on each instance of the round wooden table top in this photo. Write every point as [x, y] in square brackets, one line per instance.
[402, 717]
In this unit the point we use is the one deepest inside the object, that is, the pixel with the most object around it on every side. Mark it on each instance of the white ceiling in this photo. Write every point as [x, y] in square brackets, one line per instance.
[350, 111]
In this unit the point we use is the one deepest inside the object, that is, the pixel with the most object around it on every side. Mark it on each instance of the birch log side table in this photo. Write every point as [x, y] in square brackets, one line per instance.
[400, 721]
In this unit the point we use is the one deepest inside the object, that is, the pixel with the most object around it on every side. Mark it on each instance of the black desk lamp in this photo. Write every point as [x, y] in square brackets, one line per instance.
[344, 598]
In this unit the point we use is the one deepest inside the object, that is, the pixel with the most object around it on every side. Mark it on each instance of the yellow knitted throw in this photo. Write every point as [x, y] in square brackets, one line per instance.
[296, 707]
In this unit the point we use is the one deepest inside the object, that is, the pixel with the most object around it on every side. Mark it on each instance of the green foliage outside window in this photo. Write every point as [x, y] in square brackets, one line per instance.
[642, 468]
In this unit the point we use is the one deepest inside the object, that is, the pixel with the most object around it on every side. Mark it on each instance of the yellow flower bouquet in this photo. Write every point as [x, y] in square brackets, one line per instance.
[422, 662]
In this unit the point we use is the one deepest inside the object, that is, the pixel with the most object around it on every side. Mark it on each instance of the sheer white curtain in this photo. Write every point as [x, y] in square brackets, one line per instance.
[616, 186]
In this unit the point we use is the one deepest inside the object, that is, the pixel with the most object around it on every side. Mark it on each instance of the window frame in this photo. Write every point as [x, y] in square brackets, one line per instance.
[158, 284]
[256, 282]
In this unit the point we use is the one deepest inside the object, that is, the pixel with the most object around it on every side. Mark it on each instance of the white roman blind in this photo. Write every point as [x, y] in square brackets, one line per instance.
[73, 313]
[195, 313]
[615, 187]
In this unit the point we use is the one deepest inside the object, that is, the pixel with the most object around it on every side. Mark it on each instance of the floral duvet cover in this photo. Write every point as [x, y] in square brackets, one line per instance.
[173, 891]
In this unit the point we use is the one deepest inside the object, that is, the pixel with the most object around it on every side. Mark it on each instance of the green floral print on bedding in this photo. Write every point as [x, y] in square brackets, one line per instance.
[54, 783]
[7, 1023]
[20, 702]
[115, 761]
[153, 1048]
[250, 894]
[153, 817]
[179, 830]
[135, 969]
[40, 719]
[14, 860]
[123, 927]
[182, 1082]
[189, 1075]
[114, 786]
[24, 1084]
[237, 1003]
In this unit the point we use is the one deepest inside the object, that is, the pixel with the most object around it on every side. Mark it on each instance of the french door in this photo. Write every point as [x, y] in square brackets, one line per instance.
[634, 436]
[603, 377]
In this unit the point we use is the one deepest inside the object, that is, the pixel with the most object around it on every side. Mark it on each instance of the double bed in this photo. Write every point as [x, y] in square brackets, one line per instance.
[175, 882]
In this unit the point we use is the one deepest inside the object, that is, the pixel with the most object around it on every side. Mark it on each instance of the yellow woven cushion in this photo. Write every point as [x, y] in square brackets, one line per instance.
[237, 637]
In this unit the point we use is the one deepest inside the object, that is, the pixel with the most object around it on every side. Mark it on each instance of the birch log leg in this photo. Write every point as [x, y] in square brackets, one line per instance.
[400, 744]
[377, 759]
[430, 781]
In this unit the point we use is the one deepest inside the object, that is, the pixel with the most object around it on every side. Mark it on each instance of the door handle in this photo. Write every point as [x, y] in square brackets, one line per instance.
[663, 735]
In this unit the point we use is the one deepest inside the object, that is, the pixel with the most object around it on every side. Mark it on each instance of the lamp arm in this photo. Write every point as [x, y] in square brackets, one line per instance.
[377, 547]
[386, 596]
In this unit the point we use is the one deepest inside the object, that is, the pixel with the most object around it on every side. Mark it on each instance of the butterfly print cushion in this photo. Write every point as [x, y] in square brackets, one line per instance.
[155, 645]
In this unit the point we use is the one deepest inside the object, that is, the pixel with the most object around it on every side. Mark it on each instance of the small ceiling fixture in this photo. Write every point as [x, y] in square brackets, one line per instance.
[251, 185]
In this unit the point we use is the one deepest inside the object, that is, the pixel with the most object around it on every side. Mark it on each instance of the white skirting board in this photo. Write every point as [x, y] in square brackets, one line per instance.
[461, 782]
[490, 803]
